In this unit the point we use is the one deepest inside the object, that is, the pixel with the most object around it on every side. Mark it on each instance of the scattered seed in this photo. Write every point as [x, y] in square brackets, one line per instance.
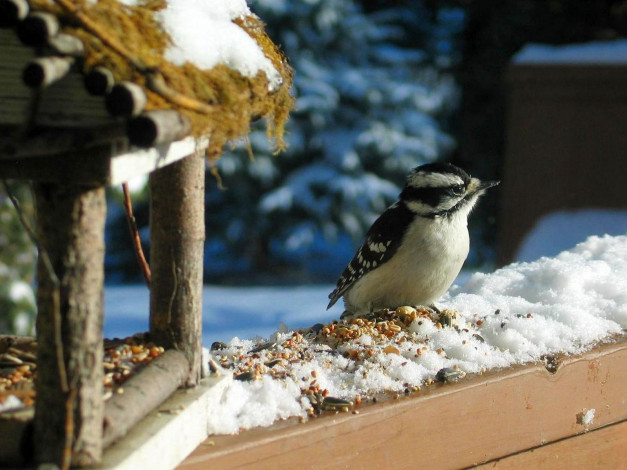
[448, 374]
[262, 347]
[218, 346]
[334, 403]
[273, 362]
[246, 376]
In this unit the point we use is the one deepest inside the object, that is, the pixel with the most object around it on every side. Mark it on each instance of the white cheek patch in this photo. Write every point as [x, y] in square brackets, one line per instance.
[434, 180]
[418, 207]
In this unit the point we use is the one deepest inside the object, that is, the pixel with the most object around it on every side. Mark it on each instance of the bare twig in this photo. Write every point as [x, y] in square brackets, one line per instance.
[137, 243]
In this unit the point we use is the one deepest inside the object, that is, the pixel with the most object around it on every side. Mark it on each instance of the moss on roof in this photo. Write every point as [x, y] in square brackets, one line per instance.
[220, 102]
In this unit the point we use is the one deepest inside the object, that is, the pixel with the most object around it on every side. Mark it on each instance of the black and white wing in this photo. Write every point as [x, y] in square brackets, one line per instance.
[382, 241]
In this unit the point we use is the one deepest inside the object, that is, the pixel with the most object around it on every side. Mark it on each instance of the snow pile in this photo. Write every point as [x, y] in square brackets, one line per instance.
[516, 315]
[204, 34]
[195, 24]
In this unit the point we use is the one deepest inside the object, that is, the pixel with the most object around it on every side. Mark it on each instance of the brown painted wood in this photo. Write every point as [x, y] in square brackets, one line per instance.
[565, 145]
[177, 235]
[445, 427]
[604, 448]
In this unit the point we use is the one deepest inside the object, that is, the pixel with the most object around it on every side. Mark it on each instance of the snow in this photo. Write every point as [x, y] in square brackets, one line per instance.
[561, 230]
[587, 417]
[596, 52]
[203, 33]
[11, 402]
[515, 315]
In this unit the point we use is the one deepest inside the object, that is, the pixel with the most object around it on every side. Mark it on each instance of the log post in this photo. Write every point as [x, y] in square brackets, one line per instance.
[69, 406]
[99, 81]
[37, 28]
[44, 71]
[12, 12]
[157, 127]
[126, 99]
[177, 234]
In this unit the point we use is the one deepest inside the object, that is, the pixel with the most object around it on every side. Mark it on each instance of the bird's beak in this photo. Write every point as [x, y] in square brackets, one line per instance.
[477, 186]
[483, 185]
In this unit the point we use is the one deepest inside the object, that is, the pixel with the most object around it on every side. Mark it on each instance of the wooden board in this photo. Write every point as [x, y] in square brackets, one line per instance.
[448, 426]
[65, 103]
[99, 165]
[565, 146]
[15, 97]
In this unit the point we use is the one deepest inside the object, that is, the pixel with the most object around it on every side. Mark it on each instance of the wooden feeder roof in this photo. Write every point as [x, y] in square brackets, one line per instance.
[97, 71]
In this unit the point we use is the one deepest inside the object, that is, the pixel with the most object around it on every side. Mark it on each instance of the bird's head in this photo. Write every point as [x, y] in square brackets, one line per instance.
[441, 189]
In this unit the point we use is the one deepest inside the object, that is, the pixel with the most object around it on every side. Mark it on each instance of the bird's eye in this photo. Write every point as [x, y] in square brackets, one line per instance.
[457, 190]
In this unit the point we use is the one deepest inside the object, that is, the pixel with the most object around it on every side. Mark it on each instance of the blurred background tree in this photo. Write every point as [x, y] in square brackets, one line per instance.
[17, 264]
[373, 101]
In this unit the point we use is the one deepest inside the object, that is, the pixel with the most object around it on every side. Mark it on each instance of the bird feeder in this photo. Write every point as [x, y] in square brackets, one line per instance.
[83, 108]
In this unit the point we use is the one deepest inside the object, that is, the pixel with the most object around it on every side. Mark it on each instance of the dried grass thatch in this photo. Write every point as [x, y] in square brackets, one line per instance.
[219, 102]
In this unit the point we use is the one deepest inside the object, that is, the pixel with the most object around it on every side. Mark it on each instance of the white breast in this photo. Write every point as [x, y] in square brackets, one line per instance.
[424, 267]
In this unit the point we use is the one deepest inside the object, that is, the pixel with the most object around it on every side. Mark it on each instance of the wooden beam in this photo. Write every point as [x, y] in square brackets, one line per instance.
[12, 12]
[66, 45]
[37, 28]
[90, 165]
[177, 235]
[126, 99]
[69, 407]
[142, 393]
[44, 71]
[446, 426]
[99, 81]
[157, 127]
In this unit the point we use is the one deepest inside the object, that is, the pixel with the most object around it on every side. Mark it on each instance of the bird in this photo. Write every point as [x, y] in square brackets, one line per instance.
[414, 251]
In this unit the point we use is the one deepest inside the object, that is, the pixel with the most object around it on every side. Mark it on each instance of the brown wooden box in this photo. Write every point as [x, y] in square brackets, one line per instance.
[566, 144]
[521, 417]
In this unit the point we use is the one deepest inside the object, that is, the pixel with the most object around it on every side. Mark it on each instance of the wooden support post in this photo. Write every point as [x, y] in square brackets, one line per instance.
[177, 231]
[69, 405]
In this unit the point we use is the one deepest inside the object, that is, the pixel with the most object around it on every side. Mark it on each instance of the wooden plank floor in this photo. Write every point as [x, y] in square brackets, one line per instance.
[447, 426]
